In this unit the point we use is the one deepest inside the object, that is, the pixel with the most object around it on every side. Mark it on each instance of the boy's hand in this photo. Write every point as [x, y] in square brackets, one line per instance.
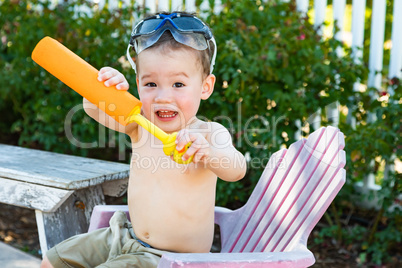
[112, 77]
[200, 147]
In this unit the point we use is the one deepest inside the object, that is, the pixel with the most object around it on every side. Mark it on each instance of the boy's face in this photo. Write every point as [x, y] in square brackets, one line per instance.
[170, 85]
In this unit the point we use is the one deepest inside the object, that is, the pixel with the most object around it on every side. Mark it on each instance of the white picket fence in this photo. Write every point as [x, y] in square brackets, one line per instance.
[355, 38]
[377, 33]
[357, 32]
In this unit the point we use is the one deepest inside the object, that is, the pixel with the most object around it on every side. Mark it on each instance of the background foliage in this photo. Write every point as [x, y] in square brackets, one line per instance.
[34, 103]
[272, 69]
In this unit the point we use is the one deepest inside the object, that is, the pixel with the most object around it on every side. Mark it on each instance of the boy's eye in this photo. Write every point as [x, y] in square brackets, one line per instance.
[178, 84]
[150, 84]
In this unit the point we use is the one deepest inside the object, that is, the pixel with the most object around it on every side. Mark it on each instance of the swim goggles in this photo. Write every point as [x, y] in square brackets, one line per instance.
[185, 29]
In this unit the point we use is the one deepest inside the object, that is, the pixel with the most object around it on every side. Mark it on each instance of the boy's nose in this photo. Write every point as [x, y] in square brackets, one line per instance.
[164, 96]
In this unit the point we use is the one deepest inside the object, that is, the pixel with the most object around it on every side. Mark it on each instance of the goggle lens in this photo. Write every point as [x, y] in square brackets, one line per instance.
[184, 23]
[188, 23]
[147, 26]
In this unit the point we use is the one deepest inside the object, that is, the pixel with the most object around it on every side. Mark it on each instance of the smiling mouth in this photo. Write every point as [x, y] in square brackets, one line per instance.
[166, 113]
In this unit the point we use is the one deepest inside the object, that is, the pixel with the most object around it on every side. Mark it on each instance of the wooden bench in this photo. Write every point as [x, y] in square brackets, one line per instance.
[62, 189]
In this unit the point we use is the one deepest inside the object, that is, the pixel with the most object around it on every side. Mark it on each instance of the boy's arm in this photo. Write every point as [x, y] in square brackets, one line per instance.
[101, 117]
[215, 150]
[224, 159]
[110, 77]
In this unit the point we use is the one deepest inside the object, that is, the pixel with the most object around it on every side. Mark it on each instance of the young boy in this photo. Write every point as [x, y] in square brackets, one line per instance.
[171, 205]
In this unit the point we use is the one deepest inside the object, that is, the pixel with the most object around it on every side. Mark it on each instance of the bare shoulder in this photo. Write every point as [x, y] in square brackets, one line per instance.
[203, 126]
[217, 126]
[206, 125]
[213, 131]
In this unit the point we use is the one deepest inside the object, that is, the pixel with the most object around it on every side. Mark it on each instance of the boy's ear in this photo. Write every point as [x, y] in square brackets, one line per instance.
[208, 86]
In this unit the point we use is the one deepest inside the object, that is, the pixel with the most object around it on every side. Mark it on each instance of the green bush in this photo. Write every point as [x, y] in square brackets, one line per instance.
[35, 103]
[373, 146]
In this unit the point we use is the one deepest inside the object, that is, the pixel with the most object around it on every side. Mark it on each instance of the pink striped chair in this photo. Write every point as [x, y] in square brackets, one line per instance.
[272, 228]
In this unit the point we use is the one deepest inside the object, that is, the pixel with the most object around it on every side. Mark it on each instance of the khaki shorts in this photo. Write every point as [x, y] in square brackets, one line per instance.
[115, 246]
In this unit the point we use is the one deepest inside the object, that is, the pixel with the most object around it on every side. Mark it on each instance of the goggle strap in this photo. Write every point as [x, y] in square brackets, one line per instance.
[131, 59]
[213, 56]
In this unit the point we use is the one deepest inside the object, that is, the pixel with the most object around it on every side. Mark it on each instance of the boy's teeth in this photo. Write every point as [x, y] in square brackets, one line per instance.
[166, 114]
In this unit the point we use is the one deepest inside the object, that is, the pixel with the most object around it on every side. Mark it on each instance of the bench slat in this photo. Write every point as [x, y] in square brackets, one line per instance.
[32, 196]
[40, 167]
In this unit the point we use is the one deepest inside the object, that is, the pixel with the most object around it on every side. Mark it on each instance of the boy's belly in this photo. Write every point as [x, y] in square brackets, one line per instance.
[174, 235]
[173, 213]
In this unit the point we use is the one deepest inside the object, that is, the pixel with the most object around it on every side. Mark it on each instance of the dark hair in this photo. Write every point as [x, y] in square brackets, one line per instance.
[167, 41]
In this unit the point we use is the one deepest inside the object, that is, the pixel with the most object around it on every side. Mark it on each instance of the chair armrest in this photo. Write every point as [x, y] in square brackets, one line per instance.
[101, 215]
[226, 219]
[222, 215]
[297, 258]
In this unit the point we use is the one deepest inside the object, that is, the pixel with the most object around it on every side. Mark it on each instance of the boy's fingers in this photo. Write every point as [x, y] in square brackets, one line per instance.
[112, 77]
[123, 86]
[194, 148]
[106, 72]
[178, 137]
[114, 80]
[104, 69]
[182, 139]
[104, 75]
[111, 81]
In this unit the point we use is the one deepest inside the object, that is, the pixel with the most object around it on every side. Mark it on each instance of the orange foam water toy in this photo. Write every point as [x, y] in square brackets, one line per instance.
[82, 78]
